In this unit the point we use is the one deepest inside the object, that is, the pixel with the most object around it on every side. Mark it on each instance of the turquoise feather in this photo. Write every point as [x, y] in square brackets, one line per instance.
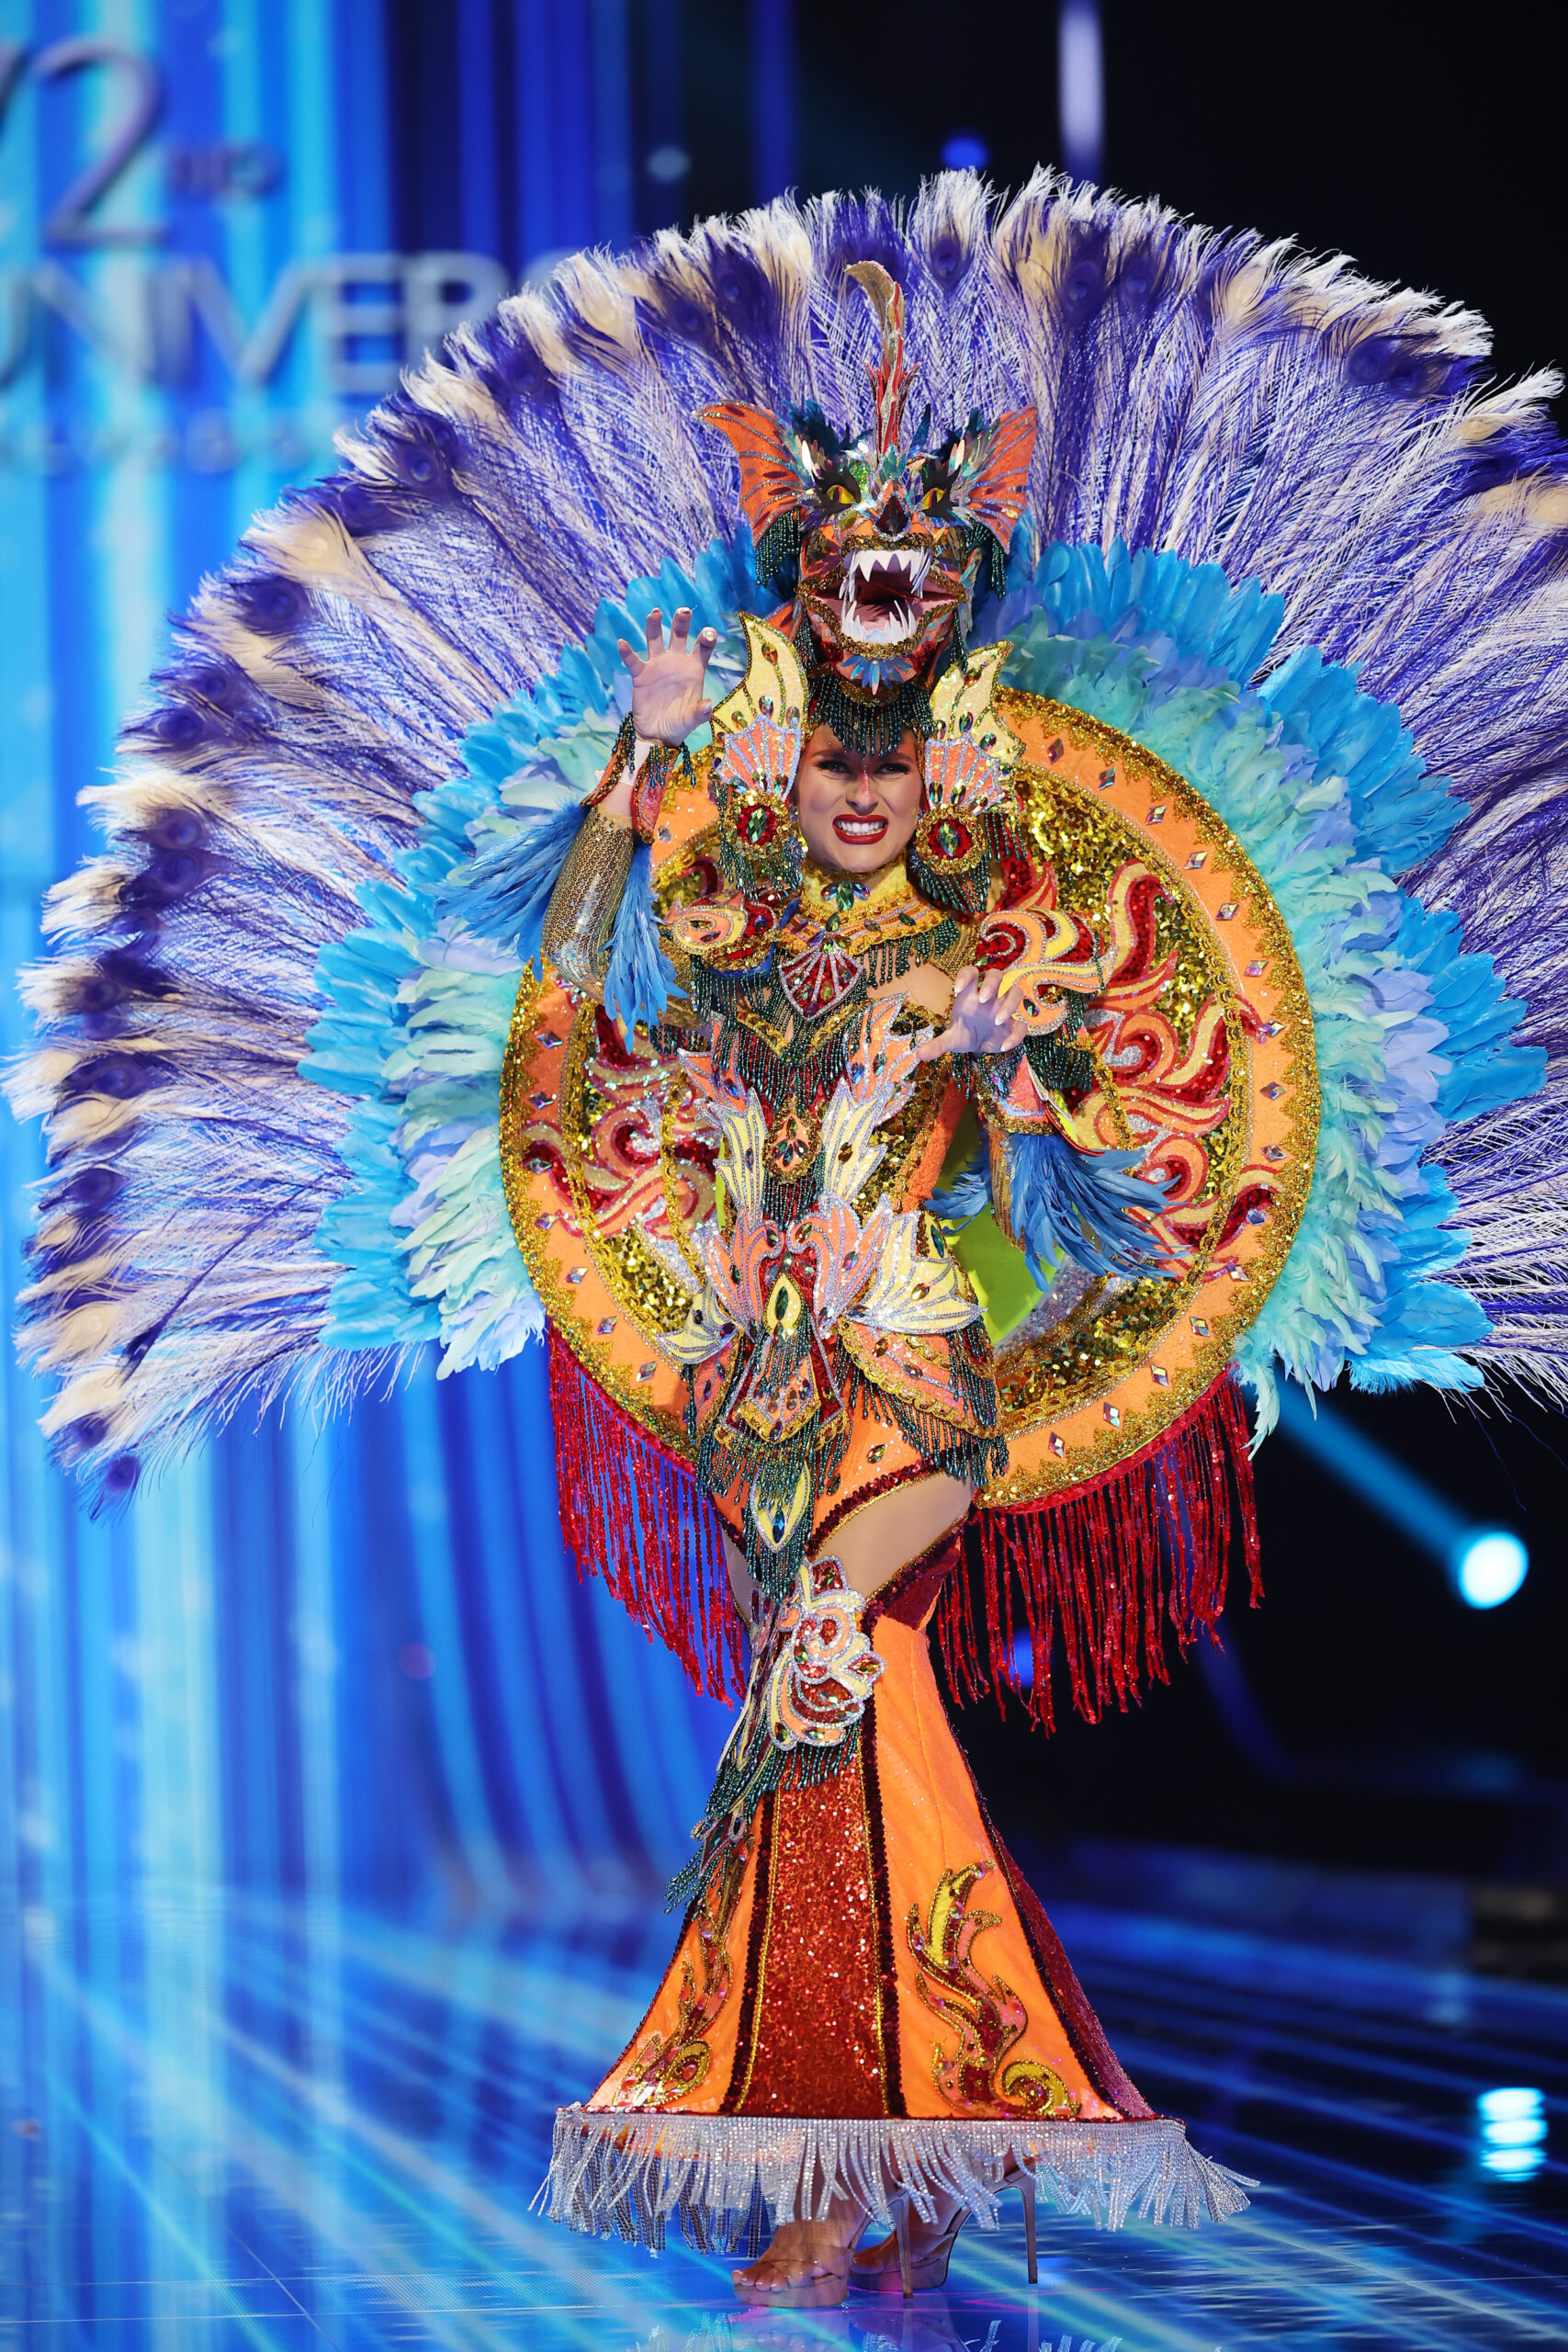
[1322, 788]
[639, 979]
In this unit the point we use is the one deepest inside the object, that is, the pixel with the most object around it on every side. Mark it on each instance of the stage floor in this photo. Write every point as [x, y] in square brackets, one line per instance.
[232, 2124]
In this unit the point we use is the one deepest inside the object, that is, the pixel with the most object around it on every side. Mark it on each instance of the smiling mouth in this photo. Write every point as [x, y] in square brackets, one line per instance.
[879, 602]
[859, 832]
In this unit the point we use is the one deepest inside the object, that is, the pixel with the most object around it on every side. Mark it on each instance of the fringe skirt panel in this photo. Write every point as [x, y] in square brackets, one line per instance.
[726, 2181]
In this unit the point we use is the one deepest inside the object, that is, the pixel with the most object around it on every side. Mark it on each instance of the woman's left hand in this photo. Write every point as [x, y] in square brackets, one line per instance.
[978, 1021]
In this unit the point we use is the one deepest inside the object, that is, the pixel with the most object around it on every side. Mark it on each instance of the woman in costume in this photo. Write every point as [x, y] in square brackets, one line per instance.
[860, 1956]
[931, 1078]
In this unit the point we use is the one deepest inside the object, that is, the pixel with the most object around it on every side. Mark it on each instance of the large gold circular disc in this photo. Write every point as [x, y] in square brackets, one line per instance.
[604, 1182]
[1203, 1055]
[607, 1170]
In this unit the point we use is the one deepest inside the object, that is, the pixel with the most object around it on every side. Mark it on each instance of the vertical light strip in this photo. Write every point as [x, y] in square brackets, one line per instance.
[533, 29]
[663, 114]
[504, 1565]
[612, 124]
[132, 575]
[571, 106]
[435, 1571]
[479, 210]
[181, 1822]
[1080, 87]
[316, 1653]
[253, 252]
[27, 863]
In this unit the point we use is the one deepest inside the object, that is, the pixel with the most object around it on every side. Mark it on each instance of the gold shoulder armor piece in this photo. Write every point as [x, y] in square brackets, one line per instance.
[774, 677]
[961, 703]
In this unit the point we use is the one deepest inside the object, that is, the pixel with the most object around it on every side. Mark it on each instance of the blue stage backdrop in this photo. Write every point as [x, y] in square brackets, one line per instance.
[350, 1660]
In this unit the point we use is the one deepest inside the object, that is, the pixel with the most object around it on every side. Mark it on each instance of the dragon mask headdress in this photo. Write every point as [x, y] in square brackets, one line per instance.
[889, 534]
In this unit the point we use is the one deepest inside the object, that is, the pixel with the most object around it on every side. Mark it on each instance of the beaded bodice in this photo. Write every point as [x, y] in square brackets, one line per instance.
[828, 1290]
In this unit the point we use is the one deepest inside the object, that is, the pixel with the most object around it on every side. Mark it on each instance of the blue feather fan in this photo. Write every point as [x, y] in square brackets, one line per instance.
[505, 894]
[640, 977]
[1088, 1207]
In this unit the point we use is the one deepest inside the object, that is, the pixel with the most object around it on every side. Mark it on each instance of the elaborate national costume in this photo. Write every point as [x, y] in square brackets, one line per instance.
[1187, 565]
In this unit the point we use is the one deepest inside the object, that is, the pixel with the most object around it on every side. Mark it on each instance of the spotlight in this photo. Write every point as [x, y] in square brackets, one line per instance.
[1488, 1566]
[1024, 1661]
[1512, 2131]
[965, 150]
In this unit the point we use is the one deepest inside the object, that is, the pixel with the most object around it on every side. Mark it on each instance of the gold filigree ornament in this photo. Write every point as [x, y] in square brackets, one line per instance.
[976, 2076]
[1201, 1041]
[1206, 1064]
[758, 729]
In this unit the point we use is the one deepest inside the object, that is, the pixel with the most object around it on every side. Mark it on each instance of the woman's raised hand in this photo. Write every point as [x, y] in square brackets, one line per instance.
[978, 1020]
[667, 687]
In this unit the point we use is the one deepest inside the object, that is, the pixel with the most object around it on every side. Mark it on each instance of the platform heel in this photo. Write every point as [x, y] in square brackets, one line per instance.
[874, 2267]
[906, 2268]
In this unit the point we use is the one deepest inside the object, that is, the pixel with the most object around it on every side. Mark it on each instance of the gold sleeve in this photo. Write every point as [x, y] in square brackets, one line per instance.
[581, 912]
[583, 909]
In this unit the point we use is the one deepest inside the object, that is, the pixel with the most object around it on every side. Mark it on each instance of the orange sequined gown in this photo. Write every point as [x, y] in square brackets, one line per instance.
[866, 1998]
[870, 2000]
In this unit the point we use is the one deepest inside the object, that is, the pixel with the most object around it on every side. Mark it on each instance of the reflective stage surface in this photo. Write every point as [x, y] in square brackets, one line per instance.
[232, 2124]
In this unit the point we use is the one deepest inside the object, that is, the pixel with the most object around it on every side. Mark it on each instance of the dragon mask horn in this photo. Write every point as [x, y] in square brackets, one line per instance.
[891, 377]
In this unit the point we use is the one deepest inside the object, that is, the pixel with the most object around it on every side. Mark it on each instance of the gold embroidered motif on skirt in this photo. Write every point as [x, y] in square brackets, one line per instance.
[987, 2015]
[670, 2066]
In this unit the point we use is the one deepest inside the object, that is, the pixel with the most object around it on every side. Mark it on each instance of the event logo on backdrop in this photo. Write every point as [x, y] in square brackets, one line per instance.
[168, 316]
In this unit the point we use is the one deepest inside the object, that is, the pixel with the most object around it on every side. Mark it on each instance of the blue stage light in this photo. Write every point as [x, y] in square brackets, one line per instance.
[1489, 1567]
[965, 150]
[1513, 2131]
[1486, 1565]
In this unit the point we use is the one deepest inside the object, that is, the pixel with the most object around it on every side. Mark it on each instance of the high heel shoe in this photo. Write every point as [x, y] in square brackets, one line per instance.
[893, 2268]
[874, 2268]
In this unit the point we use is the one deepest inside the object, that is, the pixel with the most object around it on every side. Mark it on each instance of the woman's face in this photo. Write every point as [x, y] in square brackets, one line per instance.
[857, 810]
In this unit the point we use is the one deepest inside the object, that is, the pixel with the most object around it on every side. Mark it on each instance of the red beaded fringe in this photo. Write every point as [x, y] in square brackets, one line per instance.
[632, 1512]
[1108, 1566]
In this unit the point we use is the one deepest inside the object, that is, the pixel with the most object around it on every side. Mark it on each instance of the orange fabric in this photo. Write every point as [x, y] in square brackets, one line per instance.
[934, 1826]
[921, 1179]
[828, 2007]
[634, 2081]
